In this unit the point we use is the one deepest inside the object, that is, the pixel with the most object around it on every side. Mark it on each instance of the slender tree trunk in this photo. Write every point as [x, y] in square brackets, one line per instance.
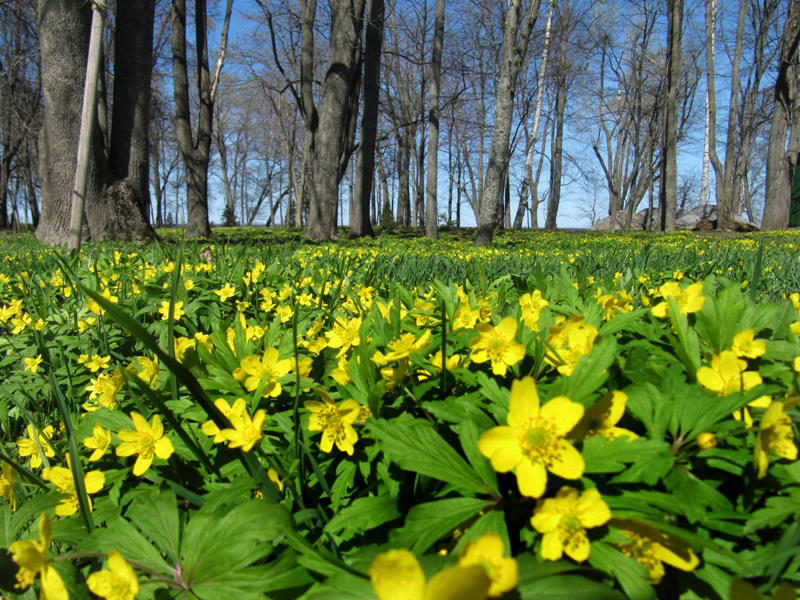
[527, 182]
[196, 153]
[554, 198]
[780, 162]
[431, 191]
[518, 28]
[360, 222]
[669, 170]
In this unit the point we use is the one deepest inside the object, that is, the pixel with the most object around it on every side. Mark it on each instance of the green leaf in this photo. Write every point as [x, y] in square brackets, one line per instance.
[649, 460]
[631, 574]
[362, 515]
[417, 447]
[429, 522]
[156, 516]
[120, 535]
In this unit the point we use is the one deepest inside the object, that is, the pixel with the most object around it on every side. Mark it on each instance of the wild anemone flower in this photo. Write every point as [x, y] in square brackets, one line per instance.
[727, 374]
[27, 446]
[268, 369]
[335, 422]
[689, 299]
[496, 344]
[602, 418]
[488, 551]
[746, 346]
[402, 347]
[775, 434]
[146, 441]
[31, 556]
[533, 441]
[177, 310]
[532, 305]
[564, 520]
[652, 547]
[99, 442]
[62, 477]
[397, 575]
[568, 341]
[118, 582]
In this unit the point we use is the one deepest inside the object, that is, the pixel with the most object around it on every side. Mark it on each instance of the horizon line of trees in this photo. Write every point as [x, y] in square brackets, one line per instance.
[303, 112]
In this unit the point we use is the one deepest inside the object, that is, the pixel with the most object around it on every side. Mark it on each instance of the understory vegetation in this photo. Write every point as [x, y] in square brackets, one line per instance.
[558, 415]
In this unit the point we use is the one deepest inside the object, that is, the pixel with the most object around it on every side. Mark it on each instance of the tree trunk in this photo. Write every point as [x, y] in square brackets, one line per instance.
[554, 198]
[195, 153]
[334, 111]
[669, 169]
[527, 182]
[63, 27]
[431, 191]
[518, 28]
[360, 222]
[780, 163]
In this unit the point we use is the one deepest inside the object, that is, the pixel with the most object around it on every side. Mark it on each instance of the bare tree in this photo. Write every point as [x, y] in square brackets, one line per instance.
[196, 150]
[517, 32]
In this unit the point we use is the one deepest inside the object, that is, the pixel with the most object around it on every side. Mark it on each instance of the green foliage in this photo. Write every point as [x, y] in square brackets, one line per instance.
[268, 418]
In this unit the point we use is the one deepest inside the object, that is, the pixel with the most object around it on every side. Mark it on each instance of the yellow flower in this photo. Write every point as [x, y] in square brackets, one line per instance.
[181, 346]
[744, 414]
[488, 552]
[745, 346]
[564, 520]
[118, 582]
[533, 441]
[84, 325]
[775, 433]
[335, 422]
[496, 344]
[612, 305]
[465, 317]
[225, 292]
[31, 556]
[146, 441]
[104, 391]
[177, 310]
[253, 371]
[210, 428]
[27, 446]
[188, 284]
[727, 374]
[148, 369]
[97, 362]
[532, 305]
[602, 418]
[344, 335]
[689, 300]
[246, 432]
[652, 547]
[397, 575]
[93, 481]
[95, 307]
[568, 342]
[32, 364]
[402, 347]
[7, 481]
[285, 313]
[99, 442]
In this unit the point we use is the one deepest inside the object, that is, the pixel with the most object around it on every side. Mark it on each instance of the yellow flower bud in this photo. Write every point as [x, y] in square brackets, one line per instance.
[706, 441]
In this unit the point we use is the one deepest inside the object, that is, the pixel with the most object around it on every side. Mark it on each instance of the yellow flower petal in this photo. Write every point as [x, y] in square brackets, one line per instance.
[523, 402]
[501, 447]
[457, 583]
[396, 575]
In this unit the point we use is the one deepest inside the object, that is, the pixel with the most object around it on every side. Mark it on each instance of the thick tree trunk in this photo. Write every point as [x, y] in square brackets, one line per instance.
[669, 170]
[360, 222]
[63, 27]
[780, 163]
[518, 29]
[334, 112]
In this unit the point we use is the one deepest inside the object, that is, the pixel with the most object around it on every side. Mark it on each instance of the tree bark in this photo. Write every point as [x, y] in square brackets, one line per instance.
[334, 112]
[431, 189]
[780, 162]
[669, 168]
[554, 198]
[360, 222]
[517, 32]
[195, 153]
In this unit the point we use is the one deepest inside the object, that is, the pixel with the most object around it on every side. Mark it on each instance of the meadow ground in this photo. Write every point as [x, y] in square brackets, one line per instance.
[560, 415]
